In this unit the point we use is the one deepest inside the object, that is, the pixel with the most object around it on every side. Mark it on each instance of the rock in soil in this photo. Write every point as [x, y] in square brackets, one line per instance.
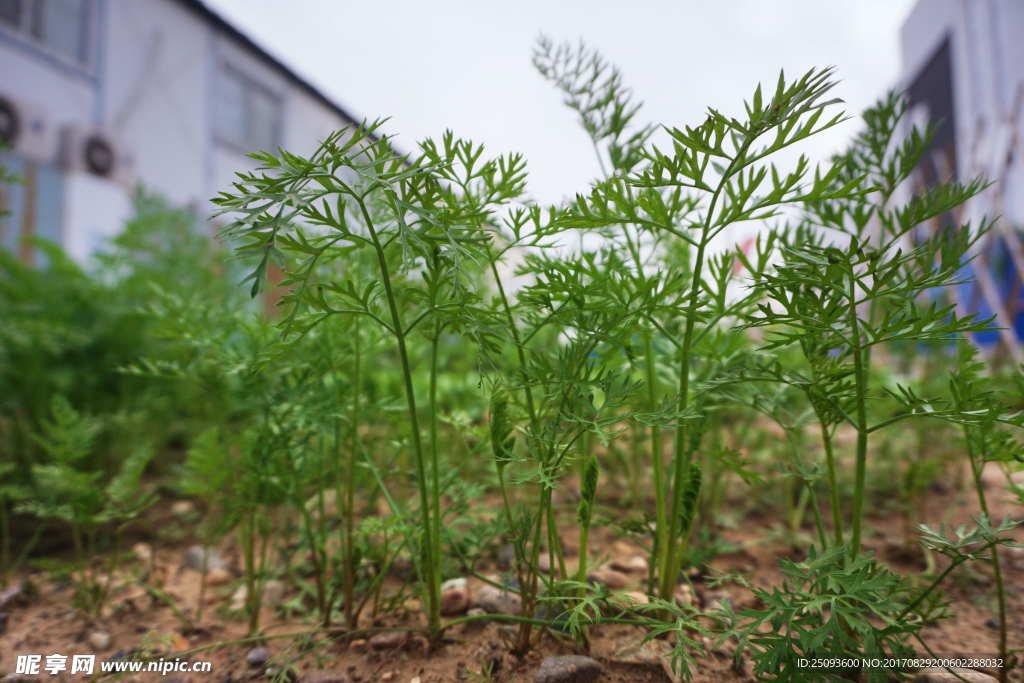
[9, 595]
[273, 592]
[493, 600]
[683, 595]
[391, 640]
[193, 558]
[478, 623]
[714, 599]
[218, 576]
[454, 597]
[609, 577]
[183, 508]
[507, 555]
[99, 640]
[568, 669]
[257, 657]
[940, 675]
[143, 552]
[636, 565]
[4, 616]
[651, 653]
[325, 676]
[238, 599]
[282, 674]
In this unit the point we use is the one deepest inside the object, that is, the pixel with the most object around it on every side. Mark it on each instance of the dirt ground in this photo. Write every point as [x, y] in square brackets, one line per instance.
[47, 624]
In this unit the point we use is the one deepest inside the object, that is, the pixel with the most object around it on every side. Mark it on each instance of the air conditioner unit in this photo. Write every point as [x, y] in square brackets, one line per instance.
[96, 152]
[25, 127]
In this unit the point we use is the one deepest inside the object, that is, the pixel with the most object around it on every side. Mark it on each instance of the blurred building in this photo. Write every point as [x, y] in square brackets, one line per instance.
[963, 65]
[97, 96]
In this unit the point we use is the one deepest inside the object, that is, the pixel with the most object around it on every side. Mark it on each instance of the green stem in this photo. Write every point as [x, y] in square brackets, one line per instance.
[833, 483]
[661, 523]
[977, 465]
[436, 480]
[5, 544]
[433, 608]
[351, 616]
[860, 384]
[679, 454]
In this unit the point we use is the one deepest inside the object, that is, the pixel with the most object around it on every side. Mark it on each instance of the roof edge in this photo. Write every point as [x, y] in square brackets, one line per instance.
[220, 22]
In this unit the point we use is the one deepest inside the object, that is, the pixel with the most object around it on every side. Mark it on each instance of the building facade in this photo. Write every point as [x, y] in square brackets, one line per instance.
[99, 96]
[963, 67]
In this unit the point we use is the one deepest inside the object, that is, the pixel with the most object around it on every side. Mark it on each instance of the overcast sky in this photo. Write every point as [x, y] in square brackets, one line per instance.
[466, 65]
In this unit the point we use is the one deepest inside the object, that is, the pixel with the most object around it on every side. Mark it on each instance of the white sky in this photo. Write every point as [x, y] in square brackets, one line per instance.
[466, 65]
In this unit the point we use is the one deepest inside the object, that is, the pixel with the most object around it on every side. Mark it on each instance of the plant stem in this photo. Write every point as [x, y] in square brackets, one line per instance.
[661, 523]
[5, 544]
[833, 483]
[433, 608]
[351, 616]
[977, 466]
[860, 384]
[435, 466]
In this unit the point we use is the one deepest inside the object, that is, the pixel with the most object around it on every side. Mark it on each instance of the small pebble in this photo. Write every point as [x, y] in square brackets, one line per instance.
[99, 640]
[325, 676]
[635, 565]
[993, 624]
[143, 552]
[939, 675]
[609, 577]
[493, 600]
[358, 644]
[390, 640]
[4, 616]
[568, 669]
[9, 595]
[218, 576]
[257, 657]
[683, 595]
[193, 558]
[454, 597]
[183, 508]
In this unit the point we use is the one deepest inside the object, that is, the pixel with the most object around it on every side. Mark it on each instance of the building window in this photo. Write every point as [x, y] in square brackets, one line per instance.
[250, 115]
[59, 25]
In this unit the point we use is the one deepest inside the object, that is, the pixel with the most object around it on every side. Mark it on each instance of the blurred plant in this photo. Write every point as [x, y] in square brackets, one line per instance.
[64, 491]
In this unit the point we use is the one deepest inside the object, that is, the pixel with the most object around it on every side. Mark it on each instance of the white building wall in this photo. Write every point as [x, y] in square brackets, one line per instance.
[153, 86]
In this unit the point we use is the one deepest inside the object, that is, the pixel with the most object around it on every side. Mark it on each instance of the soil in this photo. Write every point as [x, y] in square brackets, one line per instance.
[47, 623]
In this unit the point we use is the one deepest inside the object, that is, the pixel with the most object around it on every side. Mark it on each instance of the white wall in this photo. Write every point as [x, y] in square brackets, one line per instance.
[152, 86]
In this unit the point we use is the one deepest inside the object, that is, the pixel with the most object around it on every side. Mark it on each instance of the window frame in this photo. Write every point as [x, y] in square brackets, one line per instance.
[250, 84]
[22, 36]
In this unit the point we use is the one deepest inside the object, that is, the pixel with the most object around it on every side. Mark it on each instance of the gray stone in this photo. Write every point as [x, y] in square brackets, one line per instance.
[389, 640]
[493, 600]
[183, 508]
[940, 675]
[9, 595]
[507, 555]
[609, 577]
[568, 669]
[476, 623]
[257, 656]
[326, 676]
[99, 640]
[193, 559]
[454, 597]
